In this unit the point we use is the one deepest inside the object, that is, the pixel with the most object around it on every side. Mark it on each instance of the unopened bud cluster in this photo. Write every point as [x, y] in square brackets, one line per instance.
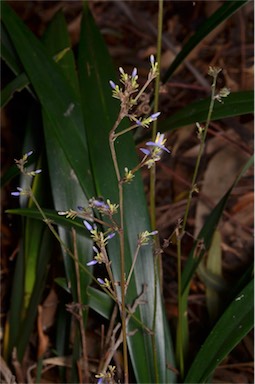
[129, 95]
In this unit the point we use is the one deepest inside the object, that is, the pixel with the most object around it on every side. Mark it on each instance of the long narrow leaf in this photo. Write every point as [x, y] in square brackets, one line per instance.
[236, 104]
[233, 325]
[66, 188]
[50, 84]
[196, 254]
[207, 231]
[100, 112]
[51, 215]
[223, 13]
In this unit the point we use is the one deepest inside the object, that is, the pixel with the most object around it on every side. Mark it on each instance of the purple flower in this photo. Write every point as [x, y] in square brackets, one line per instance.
[145, 151]
[152, 59]
[134, 73]
[100, 204]
[17, 193]
[112, 84]
[159, 142]
[87, 225]
[110, 236]
[154, 116]
[29, 153]
[101, 281]
[92, 262]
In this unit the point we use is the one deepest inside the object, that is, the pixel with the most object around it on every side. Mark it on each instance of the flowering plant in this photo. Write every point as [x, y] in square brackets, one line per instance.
[109, 247]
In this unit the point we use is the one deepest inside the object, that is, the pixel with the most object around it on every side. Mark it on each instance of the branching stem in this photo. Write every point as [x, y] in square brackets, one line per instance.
[180, 231]
[122, 249]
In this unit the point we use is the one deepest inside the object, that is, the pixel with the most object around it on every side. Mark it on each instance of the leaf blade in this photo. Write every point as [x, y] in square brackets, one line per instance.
[233, 325]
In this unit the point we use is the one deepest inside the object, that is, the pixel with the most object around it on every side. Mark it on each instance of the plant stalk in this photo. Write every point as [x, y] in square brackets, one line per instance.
[122, 247]
[180, 231]
[157, 260]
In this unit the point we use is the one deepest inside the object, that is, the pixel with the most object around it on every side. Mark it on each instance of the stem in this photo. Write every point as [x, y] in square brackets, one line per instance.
[201, 149]
[82, 330]
[157, 260]
[143, 89]
[67, 250]
[125, 131]
[153, 340]
[181, 342]
[133, 265]
[122, 249]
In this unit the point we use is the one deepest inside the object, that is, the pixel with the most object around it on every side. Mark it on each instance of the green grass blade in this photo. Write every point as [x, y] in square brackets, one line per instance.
[40, 278]
[16, 85]
[50, 84]
[223, 13]
[66, 188]
[100, 112]
[99, 301]
[197, 254]
[236, 104]
[230, 329]
[207, 232]
[8, 52]
[214, 267]
[32, 254]
[53, 216]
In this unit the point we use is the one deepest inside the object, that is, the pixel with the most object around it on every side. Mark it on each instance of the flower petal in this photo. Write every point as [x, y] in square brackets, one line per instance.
[92, 262]
[145, 151]
[112, 84]
[87, 225]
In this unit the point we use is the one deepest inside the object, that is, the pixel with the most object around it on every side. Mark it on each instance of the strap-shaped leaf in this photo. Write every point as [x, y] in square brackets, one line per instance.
[51, 215]
[236, 104]
[233, 325]
[223, 13]
[197, 254]
[100, 112]
[51, 85]
[66, 187]
[207, 231]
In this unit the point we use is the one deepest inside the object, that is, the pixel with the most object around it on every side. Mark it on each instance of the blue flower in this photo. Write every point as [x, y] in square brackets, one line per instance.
[154, 116]
[88, 225]
[159, 142]
[17, 193]
[92, 262]
[112, 84]
[100, 204]
[134, 73]
[155, 149]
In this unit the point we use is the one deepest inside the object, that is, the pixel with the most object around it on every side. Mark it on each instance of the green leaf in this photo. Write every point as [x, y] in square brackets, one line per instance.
[66, 187]
[214, 268]
[100, 112]
[233, 325]
[16, 85]
[207, 232]
[27, 289]
[9, 55]
[221, 14]
[99, 301]
[53, 216]
[50, 84]
[197, 253]
[236, 104]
